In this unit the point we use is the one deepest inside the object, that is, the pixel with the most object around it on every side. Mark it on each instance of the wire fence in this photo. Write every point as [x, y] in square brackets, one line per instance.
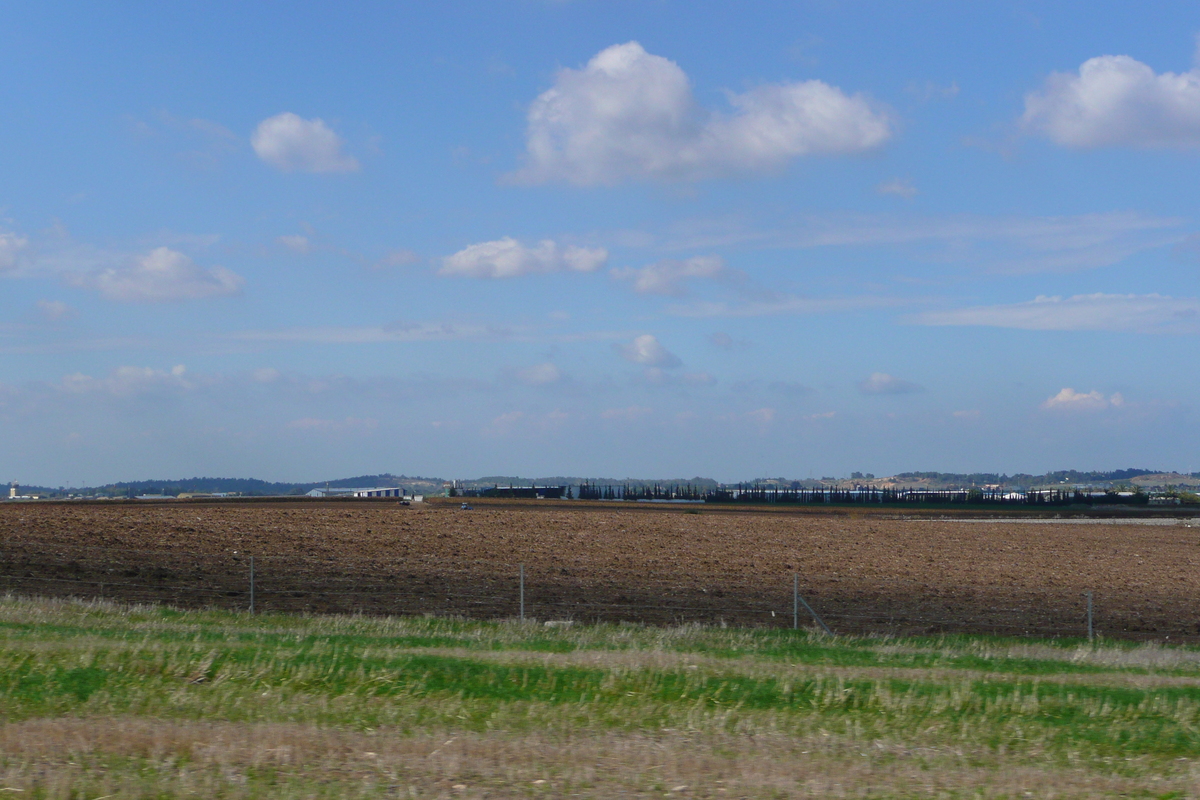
[489, 589]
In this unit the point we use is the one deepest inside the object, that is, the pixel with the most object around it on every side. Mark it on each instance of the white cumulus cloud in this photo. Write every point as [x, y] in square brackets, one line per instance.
[649, 352]
[509, 258]
[670, 276]
[631, 114]
[882, 383]
[1116, 100]
[292, 144]
[163, 275]
[1071, 400]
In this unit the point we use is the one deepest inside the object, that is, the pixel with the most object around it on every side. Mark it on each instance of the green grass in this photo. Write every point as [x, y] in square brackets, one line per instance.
[1090, 719]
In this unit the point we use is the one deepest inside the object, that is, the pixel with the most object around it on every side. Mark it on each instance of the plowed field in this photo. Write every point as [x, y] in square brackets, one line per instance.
[860, 571]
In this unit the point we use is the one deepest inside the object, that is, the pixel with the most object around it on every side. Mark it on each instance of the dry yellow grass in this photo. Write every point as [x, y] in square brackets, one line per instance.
[55, 758]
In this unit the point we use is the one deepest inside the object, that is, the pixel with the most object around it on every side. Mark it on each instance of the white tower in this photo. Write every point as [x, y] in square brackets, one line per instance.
[12, 490]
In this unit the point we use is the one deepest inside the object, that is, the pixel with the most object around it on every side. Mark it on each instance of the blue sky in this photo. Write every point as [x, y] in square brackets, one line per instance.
[303, 240]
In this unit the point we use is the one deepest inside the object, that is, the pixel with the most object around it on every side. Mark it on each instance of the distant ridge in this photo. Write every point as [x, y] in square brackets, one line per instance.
[253, 487]
[561, 480]
[1060, 476]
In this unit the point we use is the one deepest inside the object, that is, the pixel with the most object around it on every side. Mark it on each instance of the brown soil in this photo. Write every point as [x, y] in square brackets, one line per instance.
[861, 571]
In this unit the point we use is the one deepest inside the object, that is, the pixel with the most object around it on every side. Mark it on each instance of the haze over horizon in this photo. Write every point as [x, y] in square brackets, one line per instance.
[585, 238]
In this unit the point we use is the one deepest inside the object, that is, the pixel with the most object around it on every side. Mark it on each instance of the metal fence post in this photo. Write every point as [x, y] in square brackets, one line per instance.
[795, 601]
[1091, 630]
[809, 608]
[251, 584]
[522, 593]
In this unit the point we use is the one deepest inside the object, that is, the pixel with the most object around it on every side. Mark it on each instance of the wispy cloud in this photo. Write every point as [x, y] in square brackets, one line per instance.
[932, 91]
[882, 383]
[11, 246]
[649, 352]
[297, 243]
[334, 426]
[129, 381]
[396, 258]
[163, 275]
[998, 244]
[781, 304]
[671, 276]
[1146, 313]
[367, 334]
[542, 374]
[790, 388]
[1070, 400]
[510, 422]
[203, 143]
[722, 340]
[897, 187]
[626, 414]
[89, 344]
[509, 258]
[54, 310]
[761, 416]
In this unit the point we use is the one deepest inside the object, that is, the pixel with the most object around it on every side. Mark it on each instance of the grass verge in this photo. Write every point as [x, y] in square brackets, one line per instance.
[133, 701]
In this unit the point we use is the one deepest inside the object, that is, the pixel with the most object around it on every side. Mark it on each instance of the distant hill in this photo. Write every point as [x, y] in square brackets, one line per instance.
[384, 479]
[249, 487]
[1168, 479]
[560, 480]
[940, 480]
[252, 487]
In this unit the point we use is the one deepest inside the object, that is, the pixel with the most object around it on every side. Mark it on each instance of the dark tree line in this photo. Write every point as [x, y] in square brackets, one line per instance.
[759, 493]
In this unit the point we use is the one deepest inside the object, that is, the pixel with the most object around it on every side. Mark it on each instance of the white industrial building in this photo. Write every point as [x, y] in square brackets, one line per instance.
[378, 491]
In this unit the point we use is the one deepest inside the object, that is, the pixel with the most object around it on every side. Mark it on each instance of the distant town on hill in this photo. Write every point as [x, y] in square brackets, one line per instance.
[415, 484]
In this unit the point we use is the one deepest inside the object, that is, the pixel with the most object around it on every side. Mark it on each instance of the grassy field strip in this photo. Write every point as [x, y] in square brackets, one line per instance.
[965, 652]
[1105, 654]
[128, 757]
[140, 701]
[750, 667]
[1128, 667]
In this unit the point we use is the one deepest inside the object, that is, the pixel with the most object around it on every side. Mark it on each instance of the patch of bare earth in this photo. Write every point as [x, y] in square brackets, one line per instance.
[862, 572]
